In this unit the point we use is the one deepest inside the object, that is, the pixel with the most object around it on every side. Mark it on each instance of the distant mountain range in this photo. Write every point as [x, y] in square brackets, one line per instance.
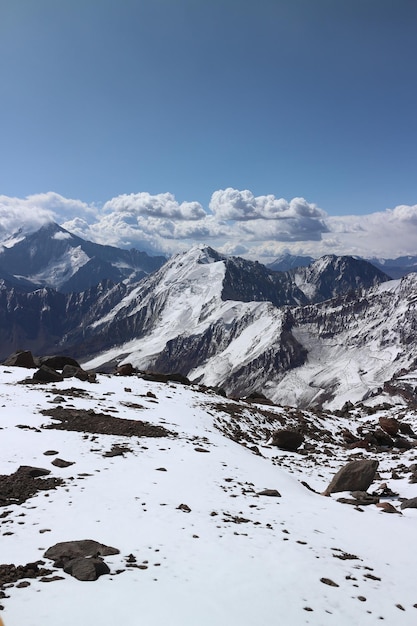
[395, 268]
[53, 257]
[334, 330]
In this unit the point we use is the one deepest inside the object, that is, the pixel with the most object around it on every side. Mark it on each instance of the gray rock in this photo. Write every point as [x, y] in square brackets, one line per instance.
[85, 568]
[62, 463]
[70, 371]
[46, 374]
[409, 504]
[272, 493]
[62, 553]
[355, 476]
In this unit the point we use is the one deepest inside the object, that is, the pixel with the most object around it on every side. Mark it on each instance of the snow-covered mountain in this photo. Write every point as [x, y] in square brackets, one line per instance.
[287, 261]
[55, 258]
[395, 268]
[181, 319]
[311, 336]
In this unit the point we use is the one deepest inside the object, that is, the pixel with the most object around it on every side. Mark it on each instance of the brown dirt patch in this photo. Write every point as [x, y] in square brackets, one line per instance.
[24, 483]
[88, 421]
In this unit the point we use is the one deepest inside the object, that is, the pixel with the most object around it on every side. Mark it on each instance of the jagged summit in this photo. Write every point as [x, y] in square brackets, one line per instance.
[54, 257]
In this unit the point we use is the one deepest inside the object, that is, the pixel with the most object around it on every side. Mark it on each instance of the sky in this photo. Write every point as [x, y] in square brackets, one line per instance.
[257, 127]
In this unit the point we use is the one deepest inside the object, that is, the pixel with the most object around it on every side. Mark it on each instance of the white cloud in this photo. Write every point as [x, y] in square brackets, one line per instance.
[237, 222]
[160, 205]
[30, 213]
[232, 204]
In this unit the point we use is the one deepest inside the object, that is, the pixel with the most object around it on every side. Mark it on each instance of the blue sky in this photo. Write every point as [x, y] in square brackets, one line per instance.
[312, 99]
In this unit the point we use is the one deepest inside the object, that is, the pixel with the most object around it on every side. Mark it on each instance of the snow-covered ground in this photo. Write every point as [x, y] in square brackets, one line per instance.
[236, 558]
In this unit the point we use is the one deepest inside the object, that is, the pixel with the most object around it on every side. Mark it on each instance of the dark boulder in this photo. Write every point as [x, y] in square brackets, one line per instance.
[354, 476]
[411, 503]
[271, 493]
[405, 429]
[72, 371]
[58, 362]
[126, 369]
[289, 440]
[21, 358]
[402, 443]
[86, 568]
[62, 553]
[46, 374]
[390, 425]
[383, 439]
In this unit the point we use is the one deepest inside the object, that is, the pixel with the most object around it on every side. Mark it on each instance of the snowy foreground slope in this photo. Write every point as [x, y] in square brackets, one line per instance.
[230, 556]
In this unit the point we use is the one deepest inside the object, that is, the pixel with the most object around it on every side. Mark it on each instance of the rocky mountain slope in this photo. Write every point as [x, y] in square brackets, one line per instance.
[55, 258]
[193, 508]
[312, 335]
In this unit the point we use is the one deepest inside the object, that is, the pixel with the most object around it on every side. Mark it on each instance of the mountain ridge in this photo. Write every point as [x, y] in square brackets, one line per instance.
[54, 257]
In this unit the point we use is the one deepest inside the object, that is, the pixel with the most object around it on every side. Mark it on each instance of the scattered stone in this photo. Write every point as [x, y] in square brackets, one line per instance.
[354, 476]
[387, 507]
[161, 469]
[384, 491]
[328, 581]
[411, 503]
[62, 463]
[286, 439]
[117, 450]
[50, 453]
[272, 493]
[201, 450]
[10, 573]
[184, 507]
[360, 498]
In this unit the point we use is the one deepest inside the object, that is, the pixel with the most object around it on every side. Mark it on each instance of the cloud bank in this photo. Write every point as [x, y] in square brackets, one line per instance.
[235, 222]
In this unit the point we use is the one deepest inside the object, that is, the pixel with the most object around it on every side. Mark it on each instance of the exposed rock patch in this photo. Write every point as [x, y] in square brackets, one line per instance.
[16, 488]
[88, 421]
